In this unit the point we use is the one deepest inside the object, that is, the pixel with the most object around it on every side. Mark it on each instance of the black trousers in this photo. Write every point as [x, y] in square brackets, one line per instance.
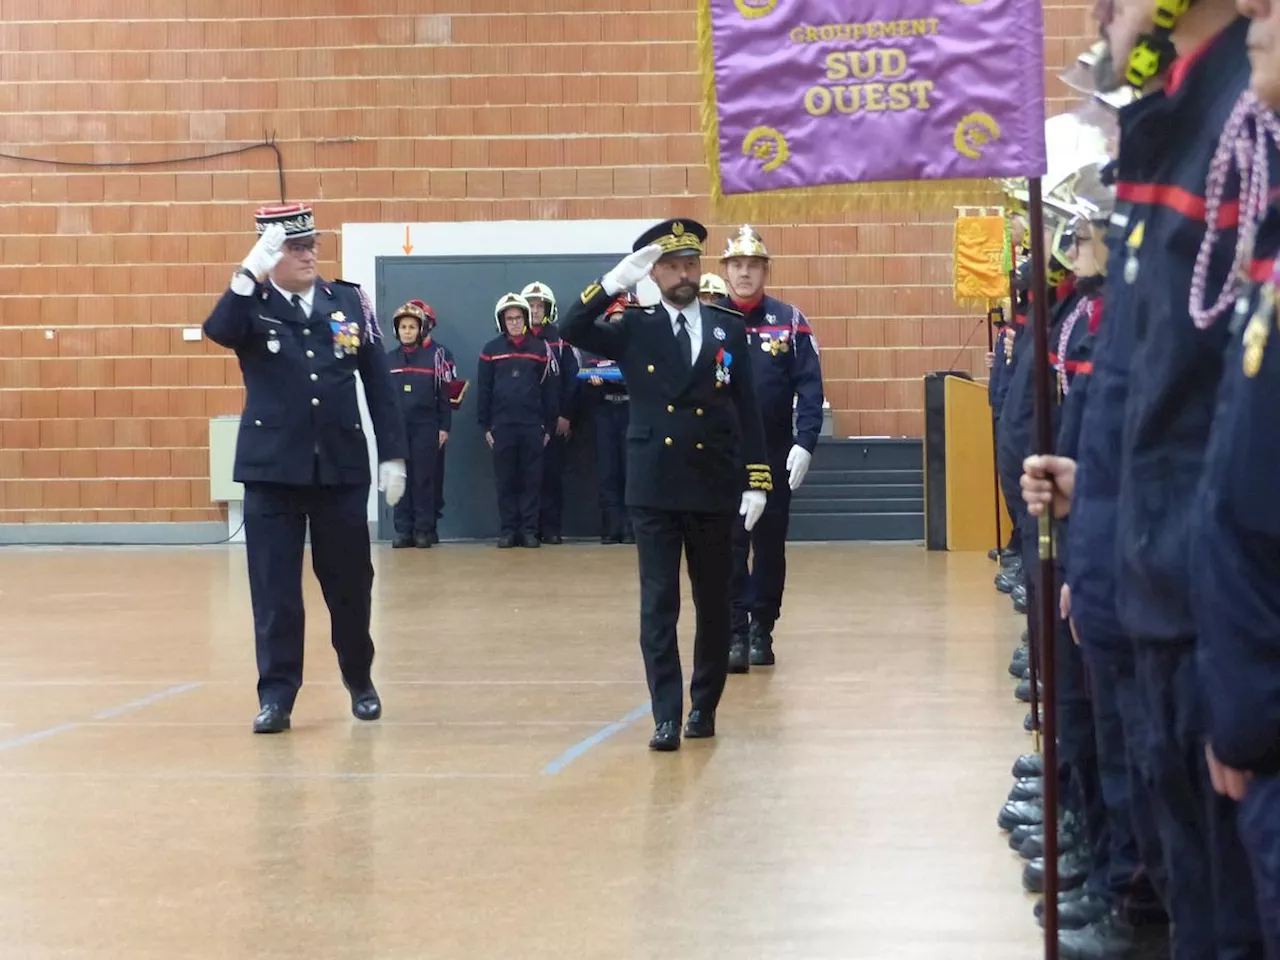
[551, 505]
[611, 421]
[276, 517]
[759, 579]
[517, 467]
[440, 482]
[416, 511]
[707, 541]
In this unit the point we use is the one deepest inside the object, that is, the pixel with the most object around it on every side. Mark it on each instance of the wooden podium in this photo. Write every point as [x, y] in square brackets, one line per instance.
[961, 493]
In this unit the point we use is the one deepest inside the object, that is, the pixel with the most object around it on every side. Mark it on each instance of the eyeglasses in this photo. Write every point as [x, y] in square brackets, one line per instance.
[299, 247]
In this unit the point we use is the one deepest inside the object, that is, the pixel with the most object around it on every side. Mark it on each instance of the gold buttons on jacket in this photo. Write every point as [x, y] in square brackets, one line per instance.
[651, 368]
[669, 441]
[671, 408]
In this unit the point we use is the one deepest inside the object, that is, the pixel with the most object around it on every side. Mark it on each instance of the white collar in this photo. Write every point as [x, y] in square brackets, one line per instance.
[305, 297]
[692, 313]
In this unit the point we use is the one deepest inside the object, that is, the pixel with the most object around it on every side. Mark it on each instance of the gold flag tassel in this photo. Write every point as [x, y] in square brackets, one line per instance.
[822, 202]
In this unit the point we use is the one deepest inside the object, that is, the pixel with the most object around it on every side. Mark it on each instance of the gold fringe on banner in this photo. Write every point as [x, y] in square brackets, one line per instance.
[801, 202]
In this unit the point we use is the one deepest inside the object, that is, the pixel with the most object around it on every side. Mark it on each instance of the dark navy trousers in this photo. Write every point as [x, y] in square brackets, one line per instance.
[1260, 831]
[416, 511]
[517, 467]
[276, 518]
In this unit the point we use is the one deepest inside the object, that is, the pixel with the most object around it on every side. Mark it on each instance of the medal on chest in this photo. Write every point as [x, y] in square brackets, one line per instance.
[273, 345]
[724, 359]
[346, 334]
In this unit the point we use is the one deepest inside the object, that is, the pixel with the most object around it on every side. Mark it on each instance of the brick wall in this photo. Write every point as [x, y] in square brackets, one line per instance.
[399, 110]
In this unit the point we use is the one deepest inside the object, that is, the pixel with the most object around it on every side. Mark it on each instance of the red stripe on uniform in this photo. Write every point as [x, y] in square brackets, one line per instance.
[514, 356]
[1180, 201]
[1260, 270]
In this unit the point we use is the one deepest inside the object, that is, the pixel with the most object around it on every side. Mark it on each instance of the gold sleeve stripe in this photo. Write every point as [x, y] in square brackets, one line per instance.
[590, 292]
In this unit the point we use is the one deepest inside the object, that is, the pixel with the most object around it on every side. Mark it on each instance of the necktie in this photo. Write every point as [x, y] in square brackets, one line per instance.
[682, 338]
[298, 309]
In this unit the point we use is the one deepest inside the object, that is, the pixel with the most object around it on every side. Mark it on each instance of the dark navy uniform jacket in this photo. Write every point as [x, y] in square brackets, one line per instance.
[695, 440]
[421, 376]
[998, 381]
[1090, 540]
[1176, 367]
[1015, 434]
[787, 374]
[566, 370]
[1236, 545]
[1075, 374]
[516, 384]
[301, 420]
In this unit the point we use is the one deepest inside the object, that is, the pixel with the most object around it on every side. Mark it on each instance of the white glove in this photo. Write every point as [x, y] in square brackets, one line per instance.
[752, 507]
[797, 465]
[266, 253]
[391, 480]
[630, 270]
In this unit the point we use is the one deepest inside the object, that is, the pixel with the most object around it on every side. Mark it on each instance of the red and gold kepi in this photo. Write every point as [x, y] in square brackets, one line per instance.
[298, 219]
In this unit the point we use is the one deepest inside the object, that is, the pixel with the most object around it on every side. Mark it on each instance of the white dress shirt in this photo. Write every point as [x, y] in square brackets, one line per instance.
[307, 297]
[693, 323]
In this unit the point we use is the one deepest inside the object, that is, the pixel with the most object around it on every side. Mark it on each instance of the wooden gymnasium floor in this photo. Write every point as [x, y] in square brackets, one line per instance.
[506, 806]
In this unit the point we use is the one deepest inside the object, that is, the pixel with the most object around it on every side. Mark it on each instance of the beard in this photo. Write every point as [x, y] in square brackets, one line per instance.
[682, 294]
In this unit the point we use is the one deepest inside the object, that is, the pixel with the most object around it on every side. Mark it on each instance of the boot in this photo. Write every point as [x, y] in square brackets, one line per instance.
[1027, 788]
[609, 528]
[1073, 867]
[1022, 692]
[1076, 909]
[762, 643]
[1110, 938]
[1028, 765]
[739, 658]
[401, 541]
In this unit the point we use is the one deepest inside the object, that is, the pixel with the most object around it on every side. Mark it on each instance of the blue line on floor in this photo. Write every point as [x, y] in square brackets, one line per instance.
[146, 701]
[26, 738]
[33, 737]
[601, 735]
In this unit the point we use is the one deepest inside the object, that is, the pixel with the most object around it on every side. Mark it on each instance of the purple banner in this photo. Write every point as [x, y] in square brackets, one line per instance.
[825, 92]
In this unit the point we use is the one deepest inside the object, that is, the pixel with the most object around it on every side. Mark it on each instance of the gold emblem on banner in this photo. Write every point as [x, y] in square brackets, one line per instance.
[768, 146]
[974, 132]
[755, 9]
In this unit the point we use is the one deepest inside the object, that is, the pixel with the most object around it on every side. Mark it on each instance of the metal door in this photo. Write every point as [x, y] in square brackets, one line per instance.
[463, 292]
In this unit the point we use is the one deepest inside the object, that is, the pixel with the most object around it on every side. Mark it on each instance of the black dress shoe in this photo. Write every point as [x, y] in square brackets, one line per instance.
[1076, 908]
[1017, 813]
[1110, 938]
[761, 636]
[1027, 788]
[1028, 765]
[422, 541]
[993, 554]
[1073, 867]
[365, 704]
[1026, 721]
[1019, 596]
[531, 540]
[701, 724]
[1019, 662]
[666, 736]
[506, 541]
[401, 541]
[1006, 581]
[273, 718]
[739, 657]
[1022, 692]
[1069, 838]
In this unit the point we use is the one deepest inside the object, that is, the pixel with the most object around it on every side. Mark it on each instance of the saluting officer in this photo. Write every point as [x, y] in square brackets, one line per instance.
[695, 454]
[788, 379]
[302, 454]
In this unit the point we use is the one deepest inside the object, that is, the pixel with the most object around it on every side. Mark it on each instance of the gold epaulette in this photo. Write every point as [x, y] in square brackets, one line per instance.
[729, 310]
[591, 291]
[760, 477]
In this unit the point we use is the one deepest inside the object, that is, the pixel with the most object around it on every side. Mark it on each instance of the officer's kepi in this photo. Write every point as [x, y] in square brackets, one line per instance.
[680, 237]
[298, 220]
